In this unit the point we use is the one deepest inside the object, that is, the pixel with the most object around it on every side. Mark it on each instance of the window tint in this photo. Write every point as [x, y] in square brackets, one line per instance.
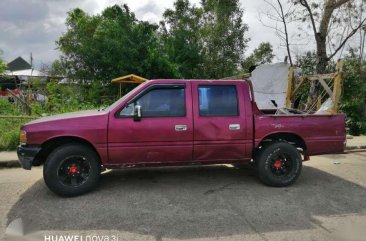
[218, 100]
[163, 102]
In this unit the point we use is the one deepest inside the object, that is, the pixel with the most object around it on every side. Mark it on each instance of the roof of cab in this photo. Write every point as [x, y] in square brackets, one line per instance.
[201, 80]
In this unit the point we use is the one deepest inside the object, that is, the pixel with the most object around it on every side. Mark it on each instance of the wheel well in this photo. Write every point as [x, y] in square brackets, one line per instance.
[50, 145]
[291, 138]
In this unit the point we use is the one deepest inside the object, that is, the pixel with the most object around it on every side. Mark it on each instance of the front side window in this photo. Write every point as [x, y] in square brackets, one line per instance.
[159, 102]
[218, 100]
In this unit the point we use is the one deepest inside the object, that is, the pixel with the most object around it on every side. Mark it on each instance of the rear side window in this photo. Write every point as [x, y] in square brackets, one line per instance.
[218, 100]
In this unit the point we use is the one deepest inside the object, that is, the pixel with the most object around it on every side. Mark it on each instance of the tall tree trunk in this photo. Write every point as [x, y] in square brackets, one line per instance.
[321, 68]
[320, 34]
[321, 53]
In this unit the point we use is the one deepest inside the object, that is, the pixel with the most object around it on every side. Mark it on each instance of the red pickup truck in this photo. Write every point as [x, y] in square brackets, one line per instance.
[176, 122]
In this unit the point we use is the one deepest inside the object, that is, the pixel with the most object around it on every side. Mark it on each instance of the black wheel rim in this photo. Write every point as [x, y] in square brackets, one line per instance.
[74, 171]
[281, 164]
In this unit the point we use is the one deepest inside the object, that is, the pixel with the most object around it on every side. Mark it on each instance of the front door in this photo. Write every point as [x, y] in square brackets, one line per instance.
[165, 132]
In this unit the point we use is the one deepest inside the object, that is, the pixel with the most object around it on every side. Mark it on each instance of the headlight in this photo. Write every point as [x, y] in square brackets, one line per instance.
[23, 137]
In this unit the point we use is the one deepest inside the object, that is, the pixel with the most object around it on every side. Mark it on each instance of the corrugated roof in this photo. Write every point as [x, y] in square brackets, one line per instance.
[26, 72]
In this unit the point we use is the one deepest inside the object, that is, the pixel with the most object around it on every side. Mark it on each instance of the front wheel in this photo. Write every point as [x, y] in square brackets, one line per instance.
[278, 164]
[71, 170]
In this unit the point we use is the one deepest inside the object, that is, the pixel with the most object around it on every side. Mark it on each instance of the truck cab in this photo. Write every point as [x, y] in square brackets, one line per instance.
[195, 121]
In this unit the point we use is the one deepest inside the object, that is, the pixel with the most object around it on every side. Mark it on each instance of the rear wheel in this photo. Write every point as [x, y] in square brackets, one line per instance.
[278, 164]
[72, 170]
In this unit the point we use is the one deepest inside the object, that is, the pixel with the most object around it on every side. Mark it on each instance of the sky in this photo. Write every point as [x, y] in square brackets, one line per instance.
[34, 25]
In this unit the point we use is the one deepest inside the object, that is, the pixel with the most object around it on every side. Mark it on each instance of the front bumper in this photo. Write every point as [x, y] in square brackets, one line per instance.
[26, 155]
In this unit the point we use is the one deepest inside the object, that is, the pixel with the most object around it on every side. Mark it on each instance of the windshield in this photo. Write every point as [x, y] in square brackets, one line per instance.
[115, 104]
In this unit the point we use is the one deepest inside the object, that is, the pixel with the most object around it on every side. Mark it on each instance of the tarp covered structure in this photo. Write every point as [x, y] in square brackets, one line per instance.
[270, 83]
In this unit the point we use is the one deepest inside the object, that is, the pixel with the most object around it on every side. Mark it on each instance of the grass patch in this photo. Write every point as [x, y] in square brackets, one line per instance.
[9, 133]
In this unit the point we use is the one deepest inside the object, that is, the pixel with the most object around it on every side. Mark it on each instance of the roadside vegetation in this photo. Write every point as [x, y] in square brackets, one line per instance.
[9, 128]
[61, 99]
[9, 138]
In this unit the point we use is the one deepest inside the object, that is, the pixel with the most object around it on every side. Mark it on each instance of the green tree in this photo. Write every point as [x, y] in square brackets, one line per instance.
[353, 99]
[224, 37]
[98, 48]
[114, 43]
[354, 93]
[58, 68]
[180, 32]
[307, 63]
[333, 23]
[263, 54]
[193, 42]
[3, 65]
[206, 41]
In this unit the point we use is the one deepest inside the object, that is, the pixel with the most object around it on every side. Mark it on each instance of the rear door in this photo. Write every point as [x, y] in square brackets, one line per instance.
[219, 121]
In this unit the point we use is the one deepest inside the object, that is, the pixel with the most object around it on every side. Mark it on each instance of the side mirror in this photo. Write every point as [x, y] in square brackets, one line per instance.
[137, 113]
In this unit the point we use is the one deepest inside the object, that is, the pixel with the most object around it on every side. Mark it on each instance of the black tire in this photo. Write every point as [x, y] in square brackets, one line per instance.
[278, 164]
[71, 170]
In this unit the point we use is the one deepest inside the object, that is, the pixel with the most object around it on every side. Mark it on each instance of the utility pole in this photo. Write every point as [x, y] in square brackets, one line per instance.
[31, 60]
[29, 80]
[362, 70]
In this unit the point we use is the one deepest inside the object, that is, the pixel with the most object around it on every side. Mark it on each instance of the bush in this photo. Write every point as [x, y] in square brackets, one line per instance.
[9, 128]
[7, 108]
[353, 101]
[61, 98]
[66, 98]
[9, 138]
[354, 92]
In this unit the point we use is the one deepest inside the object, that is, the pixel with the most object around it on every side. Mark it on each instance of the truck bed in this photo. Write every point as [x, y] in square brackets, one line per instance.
[322, 134]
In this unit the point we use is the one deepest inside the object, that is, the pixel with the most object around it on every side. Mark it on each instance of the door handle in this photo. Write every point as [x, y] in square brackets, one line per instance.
[180, 127]
[234, 127]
